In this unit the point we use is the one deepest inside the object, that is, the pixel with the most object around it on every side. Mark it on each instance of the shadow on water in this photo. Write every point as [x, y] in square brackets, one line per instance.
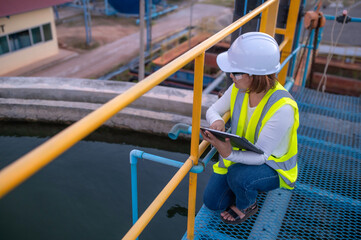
[103, 134]
[85, 192]
[177, 209]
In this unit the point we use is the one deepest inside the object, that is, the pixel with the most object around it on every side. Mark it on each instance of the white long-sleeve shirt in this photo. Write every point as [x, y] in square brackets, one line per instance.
[274, 138]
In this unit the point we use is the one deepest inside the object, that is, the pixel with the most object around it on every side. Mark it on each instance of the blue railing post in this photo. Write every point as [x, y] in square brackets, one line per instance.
[87, 22]
[134, 156]
[310, 47]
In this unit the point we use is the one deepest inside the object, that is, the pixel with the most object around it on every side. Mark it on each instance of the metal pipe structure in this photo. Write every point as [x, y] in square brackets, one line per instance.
[141, 46]
[153, 208]
[289, 35]
[137, 154]
[148, 5]
[297, 42]
[309, 47]
[17, 172]
[214, 83]
[87, 22]
[179, 128]
[196, 123]
[352, 19]
[294, 53]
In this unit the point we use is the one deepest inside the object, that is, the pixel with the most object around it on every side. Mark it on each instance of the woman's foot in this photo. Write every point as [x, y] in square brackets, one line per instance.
[227, 216]
[235, 216]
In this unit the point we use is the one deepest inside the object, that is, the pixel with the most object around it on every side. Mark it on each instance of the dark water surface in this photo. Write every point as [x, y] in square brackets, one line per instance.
[85, 193]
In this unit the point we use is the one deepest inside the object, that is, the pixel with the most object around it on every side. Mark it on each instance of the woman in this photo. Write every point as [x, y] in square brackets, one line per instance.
[261, 111]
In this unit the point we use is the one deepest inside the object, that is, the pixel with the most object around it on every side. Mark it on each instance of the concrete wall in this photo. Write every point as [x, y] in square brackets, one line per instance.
[22, 57]
[64, 100]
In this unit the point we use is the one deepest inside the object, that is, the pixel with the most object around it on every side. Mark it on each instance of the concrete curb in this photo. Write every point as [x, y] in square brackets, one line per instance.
[64, 100]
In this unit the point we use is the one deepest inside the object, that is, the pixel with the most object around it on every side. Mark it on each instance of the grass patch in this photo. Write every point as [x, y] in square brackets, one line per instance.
[225, 3]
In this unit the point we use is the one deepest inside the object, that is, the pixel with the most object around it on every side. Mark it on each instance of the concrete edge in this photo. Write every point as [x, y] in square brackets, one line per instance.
[57, 101]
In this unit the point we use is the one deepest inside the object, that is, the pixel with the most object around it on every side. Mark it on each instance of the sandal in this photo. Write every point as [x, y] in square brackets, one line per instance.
[237, 219]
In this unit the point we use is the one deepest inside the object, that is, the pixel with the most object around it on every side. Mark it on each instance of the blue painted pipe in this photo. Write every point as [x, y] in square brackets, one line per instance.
[156, 14]
[289, 84]
[178, 129]
[134, 156]
[137, 154]
[310, 47]
[352, 19]
[209, 156]
[289, 57]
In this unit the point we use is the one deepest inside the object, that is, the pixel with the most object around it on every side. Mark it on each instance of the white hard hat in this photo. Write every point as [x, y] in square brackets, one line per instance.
[254, 53]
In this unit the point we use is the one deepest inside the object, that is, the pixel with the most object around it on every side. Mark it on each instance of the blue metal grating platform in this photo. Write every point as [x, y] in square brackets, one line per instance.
[326, 203]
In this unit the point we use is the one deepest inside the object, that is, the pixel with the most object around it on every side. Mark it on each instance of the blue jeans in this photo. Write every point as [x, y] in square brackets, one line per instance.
[240, 186]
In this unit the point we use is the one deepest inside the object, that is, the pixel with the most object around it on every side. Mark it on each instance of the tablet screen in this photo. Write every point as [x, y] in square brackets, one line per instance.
[236, 140]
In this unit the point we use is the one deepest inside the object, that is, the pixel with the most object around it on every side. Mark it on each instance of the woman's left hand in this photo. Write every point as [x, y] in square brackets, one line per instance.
[224, 148]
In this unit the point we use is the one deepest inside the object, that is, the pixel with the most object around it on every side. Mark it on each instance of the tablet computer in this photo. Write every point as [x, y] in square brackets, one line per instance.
[236, 140]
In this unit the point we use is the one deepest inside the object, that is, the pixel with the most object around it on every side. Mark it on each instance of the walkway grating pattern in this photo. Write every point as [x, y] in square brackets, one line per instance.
[326, 203]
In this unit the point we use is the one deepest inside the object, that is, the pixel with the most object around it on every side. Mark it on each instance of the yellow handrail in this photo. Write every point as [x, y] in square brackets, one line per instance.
[23, 168]
[17, 172]
[196, 123]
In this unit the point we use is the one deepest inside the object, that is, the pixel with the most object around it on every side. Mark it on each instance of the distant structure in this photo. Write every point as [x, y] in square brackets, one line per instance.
[131, 7]
[27, 32]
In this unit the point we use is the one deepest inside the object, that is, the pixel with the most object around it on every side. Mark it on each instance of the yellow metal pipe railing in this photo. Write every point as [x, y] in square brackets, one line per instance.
[289, 35]
[281, 31]
[269, 19]
[283, 43]
[196, 123]
[24, 167]
[17, 172]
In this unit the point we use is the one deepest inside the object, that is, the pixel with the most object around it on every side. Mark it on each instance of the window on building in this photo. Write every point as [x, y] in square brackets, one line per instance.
[36, 34]
[47, 32]
[4, 46]
[25, 38]
[19, 40]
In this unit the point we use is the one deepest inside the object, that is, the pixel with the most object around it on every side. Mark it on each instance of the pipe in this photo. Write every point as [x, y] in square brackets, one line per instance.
[87, 22]
[297, 39]
[178, 129]
[196, 122]
[23, 168]
[214, 83]
[289, 58]
[141, 46]
[154, 207]
[148, 11]
[157, 203]
[352, 19]
[310, 47]
[134, 156]
[159, 13]
[289, 84]
[137, 154]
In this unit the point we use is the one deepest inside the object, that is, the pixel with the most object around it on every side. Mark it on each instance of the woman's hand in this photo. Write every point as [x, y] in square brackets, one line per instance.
[218, 125]
[224, 148]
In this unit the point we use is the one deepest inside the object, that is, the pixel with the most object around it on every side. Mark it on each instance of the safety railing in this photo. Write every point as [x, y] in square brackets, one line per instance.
[16, 173]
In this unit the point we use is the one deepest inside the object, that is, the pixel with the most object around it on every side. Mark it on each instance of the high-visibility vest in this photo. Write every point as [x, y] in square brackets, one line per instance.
[275, 98]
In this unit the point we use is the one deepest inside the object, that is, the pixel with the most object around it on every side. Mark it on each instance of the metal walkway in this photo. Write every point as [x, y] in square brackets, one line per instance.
[326, 203]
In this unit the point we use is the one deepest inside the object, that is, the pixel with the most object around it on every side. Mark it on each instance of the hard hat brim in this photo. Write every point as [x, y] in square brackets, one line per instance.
[224, 64]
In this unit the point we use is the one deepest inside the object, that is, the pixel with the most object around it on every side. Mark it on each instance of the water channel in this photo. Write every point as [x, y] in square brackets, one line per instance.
[85, 193]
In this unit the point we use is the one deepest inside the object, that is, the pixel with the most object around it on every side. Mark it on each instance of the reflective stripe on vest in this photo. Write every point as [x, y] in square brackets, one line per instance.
[286, 166]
